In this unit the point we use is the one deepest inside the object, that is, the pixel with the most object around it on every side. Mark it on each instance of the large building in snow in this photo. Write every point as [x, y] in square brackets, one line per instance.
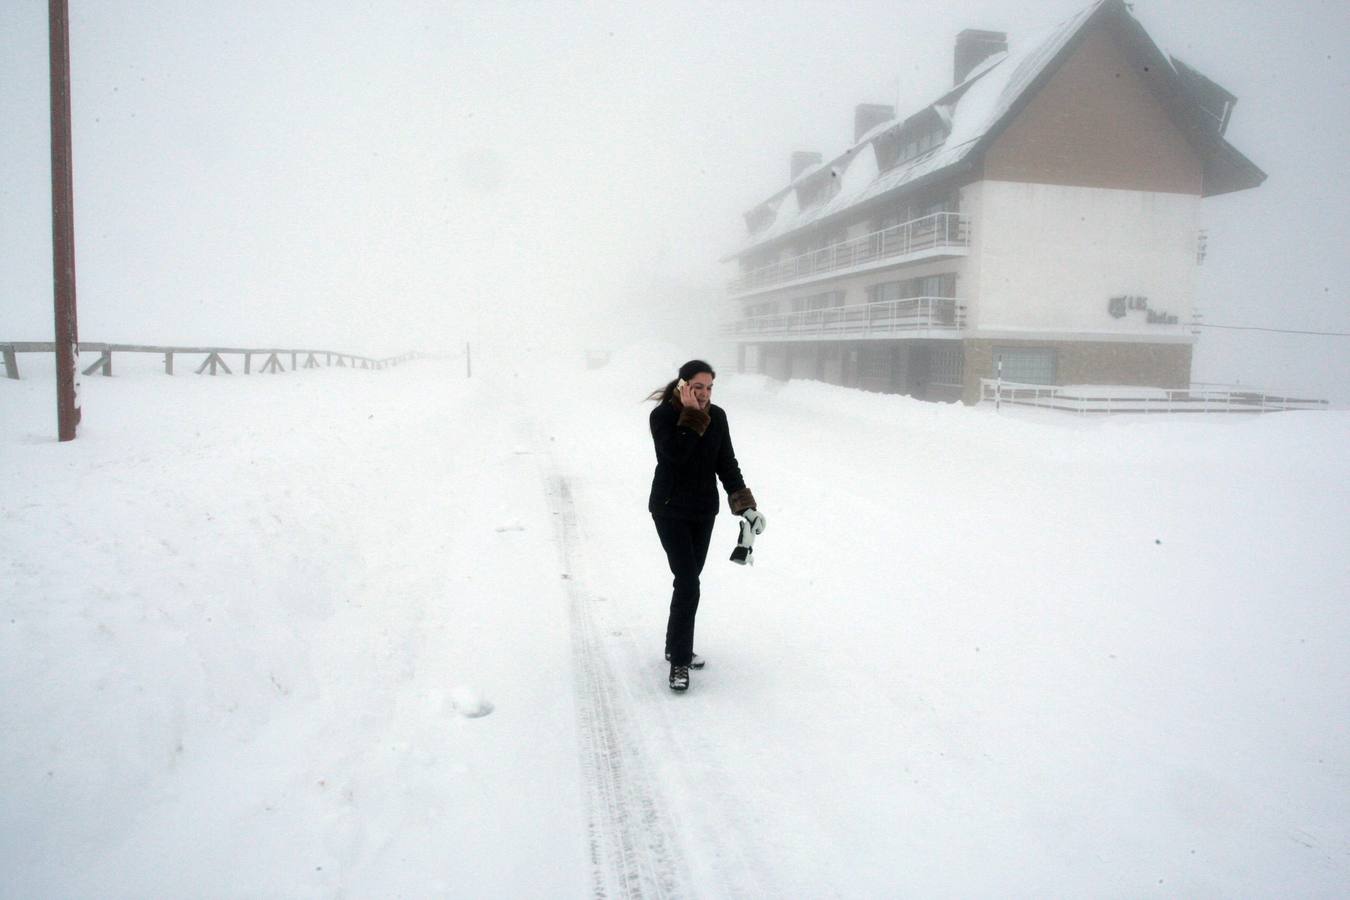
[1043, 212]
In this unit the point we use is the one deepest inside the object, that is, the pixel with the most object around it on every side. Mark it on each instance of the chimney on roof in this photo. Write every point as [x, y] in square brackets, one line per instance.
[801, 161]
[973, 47]
[867, 116]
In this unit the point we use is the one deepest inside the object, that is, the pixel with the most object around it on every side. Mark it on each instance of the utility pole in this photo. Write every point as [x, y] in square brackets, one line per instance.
[63, 225]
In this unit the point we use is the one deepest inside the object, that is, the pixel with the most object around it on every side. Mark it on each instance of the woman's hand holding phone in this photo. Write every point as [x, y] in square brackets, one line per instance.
[686, 392]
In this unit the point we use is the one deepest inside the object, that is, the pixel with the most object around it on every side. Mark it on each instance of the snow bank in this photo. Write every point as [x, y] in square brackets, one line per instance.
[252, 639]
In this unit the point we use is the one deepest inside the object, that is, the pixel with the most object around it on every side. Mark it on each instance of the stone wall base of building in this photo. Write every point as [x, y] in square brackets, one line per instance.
[1085, 362]
[947, 371]
[928, 370]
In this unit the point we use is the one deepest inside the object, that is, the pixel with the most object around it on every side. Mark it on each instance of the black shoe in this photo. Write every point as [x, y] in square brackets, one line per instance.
[679, 678]
[695, 661]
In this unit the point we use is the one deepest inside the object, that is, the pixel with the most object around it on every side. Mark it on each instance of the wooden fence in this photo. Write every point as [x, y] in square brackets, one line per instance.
[213, 362]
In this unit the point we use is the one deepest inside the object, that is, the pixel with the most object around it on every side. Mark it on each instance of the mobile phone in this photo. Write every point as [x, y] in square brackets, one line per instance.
[680, 386]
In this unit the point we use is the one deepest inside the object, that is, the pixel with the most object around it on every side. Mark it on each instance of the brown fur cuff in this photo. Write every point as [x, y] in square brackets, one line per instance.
[695, 419]
[741, 501]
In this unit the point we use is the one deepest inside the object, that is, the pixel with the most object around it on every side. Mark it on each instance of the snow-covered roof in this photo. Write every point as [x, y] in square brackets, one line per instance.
[971, 111]
[972, 107]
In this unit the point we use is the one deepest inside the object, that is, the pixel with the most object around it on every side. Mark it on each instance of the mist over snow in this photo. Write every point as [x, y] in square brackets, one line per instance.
[389, 176]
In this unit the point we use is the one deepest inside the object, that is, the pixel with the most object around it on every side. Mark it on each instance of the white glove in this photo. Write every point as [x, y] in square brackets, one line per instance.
[756, 520]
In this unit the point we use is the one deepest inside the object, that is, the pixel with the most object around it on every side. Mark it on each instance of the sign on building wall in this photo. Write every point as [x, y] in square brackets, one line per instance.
[1120, 306]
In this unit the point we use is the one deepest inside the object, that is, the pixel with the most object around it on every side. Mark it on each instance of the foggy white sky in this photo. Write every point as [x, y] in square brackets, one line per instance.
[381, 176]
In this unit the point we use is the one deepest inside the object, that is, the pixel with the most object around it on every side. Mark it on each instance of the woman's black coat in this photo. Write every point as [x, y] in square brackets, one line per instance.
[688, 464]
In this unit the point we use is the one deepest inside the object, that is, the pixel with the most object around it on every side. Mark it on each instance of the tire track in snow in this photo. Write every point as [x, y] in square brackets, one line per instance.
[633, 851]
[722, 813]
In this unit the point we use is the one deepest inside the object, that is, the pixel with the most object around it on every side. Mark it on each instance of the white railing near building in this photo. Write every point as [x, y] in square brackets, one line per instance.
[878, 319]
[1123, 399]
[933, 232]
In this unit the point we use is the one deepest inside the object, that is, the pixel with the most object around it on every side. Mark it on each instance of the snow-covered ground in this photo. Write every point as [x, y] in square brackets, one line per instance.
[399, 633]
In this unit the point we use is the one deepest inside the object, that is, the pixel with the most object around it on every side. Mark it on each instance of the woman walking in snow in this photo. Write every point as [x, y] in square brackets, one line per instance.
[693, 451]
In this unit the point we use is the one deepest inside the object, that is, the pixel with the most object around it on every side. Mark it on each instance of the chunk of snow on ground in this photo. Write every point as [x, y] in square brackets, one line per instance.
[469, 702]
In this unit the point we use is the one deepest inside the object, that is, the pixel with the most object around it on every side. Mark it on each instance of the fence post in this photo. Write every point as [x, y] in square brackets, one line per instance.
[168, 362]
[998, 386]
[103, 364]
[11, 362]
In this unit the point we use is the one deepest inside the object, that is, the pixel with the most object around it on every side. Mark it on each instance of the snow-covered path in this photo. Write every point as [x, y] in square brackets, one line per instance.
[633, 848]
[398, 634]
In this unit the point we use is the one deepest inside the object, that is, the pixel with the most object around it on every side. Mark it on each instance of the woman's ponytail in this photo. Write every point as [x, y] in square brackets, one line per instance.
[664, 394]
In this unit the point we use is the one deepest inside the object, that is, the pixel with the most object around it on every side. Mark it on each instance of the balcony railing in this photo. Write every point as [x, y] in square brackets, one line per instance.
[879, 319]
[945, 230]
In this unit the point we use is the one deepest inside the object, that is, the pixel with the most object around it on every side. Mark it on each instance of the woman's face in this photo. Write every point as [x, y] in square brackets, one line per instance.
[702, 385]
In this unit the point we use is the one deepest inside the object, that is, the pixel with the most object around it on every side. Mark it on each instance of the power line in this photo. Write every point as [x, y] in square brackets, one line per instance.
[1273, 330]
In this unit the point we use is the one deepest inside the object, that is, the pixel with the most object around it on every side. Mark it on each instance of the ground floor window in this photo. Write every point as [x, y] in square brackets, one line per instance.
[875, 361]
[946, 366]
[1025, 365]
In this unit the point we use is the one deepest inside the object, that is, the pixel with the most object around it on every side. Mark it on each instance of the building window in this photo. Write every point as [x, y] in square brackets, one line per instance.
[875, 362]
[947, 203]
[936, 285]
[760, 218]
[758, 260]
[827, 300]
[946, 366]
[817, 241]
[888, 290]
[908, 212]
[943, 285]
[896, 148]
[1025, 365]
[829, 238]
[818, 189]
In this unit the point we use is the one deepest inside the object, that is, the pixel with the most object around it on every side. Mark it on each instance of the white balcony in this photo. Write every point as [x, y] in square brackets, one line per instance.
[939, 234]
[913, 317]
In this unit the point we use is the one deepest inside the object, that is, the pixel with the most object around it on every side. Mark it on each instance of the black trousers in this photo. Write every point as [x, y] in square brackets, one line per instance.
[686, 544]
